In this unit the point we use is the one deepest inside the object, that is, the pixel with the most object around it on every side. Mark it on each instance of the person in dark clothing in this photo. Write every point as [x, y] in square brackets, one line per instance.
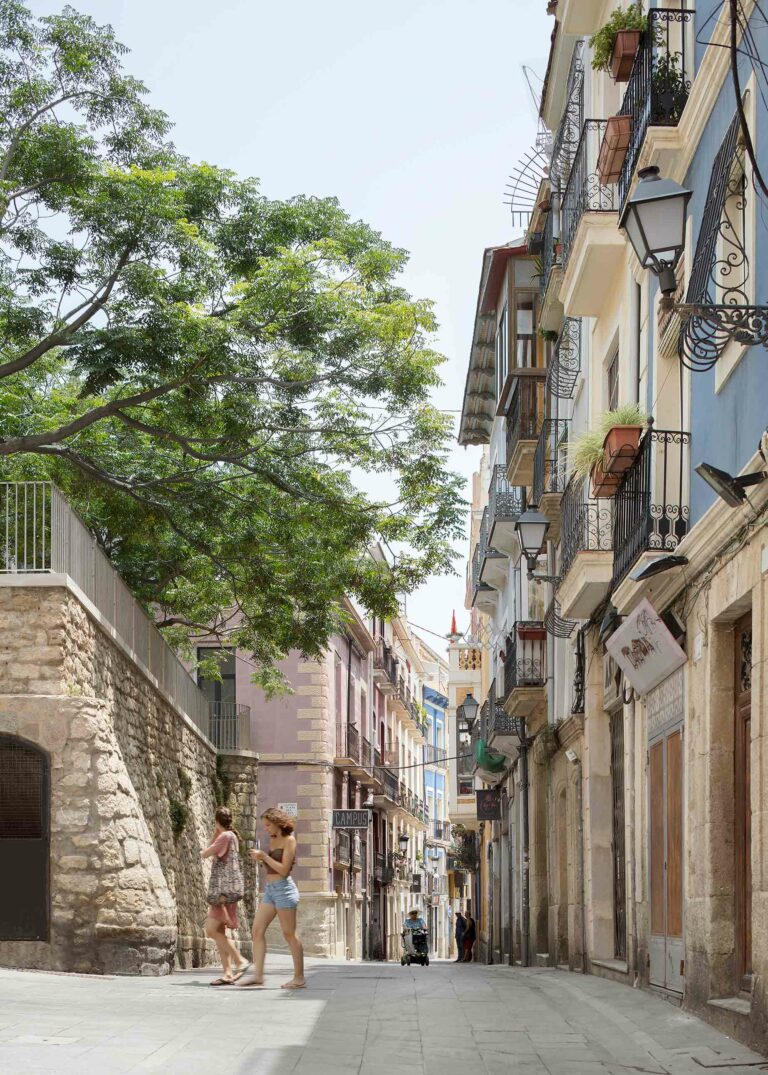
[459, 928]
[470, 934]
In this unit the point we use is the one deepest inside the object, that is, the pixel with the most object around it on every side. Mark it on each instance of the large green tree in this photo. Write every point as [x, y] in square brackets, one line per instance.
[232, 390]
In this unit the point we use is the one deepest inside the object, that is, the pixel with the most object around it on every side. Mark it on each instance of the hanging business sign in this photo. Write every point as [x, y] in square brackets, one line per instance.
[644, 649]
[351, 819]
[488, 802]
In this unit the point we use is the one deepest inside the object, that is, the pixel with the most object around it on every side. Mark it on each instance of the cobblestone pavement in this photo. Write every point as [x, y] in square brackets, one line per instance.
[371, 1018]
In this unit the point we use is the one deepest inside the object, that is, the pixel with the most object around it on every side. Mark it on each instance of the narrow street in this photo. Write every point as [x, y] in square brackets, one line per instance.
[372, 1019]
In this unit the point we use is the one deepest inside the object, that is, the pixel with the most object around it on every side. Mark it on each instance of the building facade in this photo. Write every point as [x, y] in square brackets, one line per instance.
[628, 841]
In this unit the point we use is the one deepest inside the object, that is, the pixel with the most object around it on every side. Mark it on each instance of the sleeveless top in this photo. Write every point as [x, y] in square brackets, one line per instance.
[277, 855]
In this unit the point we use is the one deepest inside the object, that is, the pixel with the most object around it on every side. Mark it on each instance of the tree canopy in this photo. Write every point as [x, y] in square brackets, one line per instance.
[232, 390]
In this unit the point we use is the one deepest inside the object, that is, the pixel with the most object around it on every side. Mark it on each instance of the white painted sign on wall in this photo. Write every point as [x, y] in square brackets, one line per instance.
[291, 809]
[644, 649]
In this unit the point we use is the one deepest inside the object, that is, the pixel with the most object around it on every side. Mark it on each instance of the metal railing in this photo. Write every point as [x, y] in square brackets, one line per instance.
[348, 742]
[390, 782]
[584, 192]
[525, 656]
[548, 256]
[660, 82]
[366, 753]
[567, 136]
[434, 755]
[506, 502]
[550, 462]
[526, 410]
[40, 532]
[565, 365]
[230, 726]
[502, 723]
[586, 525]
[385, 661]
[441, 830]
[481, 550]
[651, 504]
[341, 847]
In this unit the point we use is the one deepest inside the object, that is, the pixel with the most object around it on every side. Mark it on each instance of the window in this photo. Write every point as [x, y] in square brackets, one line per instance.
[502, 352]
[221, 692]
[613, 382]
[526, 317]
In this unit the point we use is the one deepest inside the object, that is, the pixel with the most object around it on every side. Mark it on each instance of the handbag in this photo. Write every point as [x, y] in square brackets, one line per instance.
[226, 884]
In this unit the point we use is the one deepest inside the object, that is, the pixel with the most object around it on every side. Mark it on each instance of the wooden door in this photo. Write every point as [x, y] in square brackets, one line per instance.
[666, 860]
[742, 805]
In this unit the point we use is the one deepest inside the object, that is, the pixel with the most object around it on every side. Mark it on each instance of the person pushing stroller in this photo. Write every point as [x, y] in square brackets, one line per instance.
[415, 938]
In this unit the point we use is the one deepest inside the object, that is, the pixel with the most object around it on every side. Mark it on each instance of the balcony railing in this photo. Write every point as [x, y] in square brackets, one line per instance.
[584, 192]
[567, 136]
[506, 502]
[435, 755]
[230, 726]
[526, 410]
[565, 364]
[550, 462]
[348, 742]
[651, 504]
[586, 524]
[341, 847]
[40, 533]
[441, 830]
[481, 550]
[525, 656]
[660, 82]
[390, 782]
[366, 753]
[385, 661]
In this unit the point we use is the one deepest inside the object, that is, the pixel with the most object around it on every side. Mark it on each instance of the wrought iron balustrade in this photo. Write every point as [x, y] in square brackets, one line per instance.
[651, 505]
[525, 656]
[385, 660]
[482, 722]
[379, 866]
[230, 726]
[481, 550]
[586, 525]
[548, 256]
[550, 462]
[567, 136]
[434, 755]
[390, 782]
[565, 365]
[584, 192]
[579, 672]
[366, 753]
[526, 410]
[503, 724]
[659, 84]
[505, 501]
[348, 742]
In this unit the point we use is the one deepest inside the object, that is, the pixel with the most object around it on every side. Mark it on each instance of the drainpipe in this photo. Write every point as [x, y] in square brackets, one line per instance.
[634, 341]
[525, 924]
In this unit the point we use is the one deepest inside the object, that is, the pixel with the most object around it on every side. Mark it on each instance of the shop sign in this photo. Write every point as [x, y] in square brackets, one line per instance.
[351, 819]
[644, 649]
[488, 802]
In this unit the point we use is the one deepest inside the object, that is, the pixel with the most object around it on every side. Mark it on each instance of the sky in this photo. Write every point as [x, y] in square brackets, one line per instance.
[413, 113]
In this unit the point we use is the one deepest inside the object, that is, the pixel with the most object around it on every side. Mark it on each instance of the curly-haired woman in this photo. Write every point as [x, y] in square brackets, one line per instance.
[281, 898]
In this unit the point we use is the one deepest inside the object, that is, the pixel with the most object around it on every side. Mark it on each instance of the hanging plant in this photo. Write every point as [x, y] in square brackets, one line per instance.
[587, 450]
[602, 42]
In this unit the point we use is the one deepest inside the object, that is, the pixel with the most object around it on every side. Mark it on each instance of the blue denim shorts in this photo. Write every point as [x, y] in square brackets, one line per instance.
[283, 894]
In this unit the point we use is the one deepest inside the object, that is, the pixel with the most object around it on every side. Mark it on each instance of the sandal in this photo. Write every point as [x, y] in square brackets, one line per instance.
[222, 981]
[240, 973]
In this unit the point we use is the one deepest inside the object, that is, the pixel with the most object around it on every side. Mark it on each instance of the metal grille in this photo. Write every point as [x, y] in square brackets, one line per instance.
[586, 524]
[619, 871]
[526, 411]
[565, 366]
[23, 791]
[584, 192]
[579, 675]
[550, 474]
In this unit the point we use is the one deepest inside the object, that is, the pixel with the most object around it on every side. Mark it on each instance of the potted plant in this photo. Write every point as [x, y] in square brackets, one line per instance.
[613, 150]
[531, 633]
[548, 334]
[615, 45]
[605, 452]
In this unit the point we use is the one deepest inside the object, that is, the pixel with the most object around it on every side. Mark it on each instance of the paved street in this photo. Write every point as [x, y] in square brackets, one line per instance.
[372, 1019]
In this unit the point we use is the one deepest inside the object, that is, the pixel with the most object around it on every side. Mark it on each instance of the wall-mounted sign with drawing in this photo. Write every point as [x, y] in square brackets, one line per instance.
[291, 809]
[644, 649]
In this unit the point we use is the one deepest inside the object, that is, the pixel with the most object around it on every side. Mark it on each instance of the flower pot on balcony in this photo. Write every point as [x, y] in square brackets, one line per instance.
[545, 205]
[620, 448]
[603, 485]
[613, 151]
[532, 634]
[625, 46]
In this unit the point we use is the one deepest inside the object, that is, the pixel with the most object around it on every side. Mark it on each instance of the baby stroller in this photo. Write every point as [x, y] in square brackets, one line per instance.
[420, 946]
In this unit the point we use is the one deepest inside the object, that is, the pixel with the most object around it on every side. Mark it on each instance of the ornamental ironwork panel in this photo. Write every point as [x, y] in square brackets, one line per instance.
[569, 132]
[557, 626]
[525, 656]
[565, 364]
[505, 501]
[584, 193]
[651, 505]
[580, 672]
[549, 257]
[586, 524]
[550, 463]
[503, 724]
[660, 82]
[526, 410]
[719, 285]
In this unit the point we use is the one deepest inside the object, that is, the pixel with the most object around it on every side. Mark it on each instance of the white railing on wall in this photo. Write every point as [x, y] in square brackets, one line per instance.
[40, 533]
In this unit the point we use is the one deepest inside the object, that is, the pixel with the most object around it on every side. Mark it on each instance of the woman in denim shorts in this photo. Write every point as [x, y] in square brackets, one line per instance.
[281, 898]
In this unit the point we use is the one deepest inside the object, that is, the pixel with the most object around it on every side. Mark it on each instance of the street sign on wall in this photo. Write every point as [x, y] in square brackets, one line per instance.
[291, 809]
[351, 819]
[488, 802]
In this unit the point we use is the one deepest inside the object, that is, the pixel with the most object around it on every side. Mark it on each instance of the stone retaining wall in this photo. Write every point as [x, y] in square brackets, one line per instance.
[133, 792]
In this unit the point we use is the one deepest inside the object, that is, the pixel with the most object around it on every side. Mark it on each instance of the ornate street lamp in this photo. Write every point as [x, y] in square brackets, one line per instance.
[403, 842]
[654, 222]
[532, 529]
[466, 713]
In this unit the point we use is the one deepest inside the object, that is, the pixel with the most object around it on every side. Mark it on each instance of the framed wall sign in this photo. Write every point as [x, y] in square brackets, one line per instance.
[351, 819]
[644, 649]
[488, 804]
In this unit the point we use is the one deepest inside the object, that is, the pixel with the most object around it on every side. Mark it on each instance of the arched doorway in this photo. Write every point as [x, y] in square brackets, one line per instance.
[24, 840]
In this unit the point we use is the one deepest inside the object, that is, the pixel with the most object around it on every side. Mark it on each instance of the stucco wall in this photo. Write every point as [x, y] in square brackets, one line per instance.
[127, 894]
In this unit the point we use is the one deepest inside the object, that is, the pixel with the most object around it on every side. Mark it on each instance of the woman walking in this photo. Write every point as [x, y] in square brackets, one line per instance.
[470, 934]
[281, 898]
[224, 892]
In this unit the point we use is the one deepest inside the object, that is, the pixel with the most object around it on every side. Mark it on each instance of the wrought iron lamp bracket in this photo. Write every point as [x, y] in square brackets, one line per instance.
[746, 325]
[554, 580]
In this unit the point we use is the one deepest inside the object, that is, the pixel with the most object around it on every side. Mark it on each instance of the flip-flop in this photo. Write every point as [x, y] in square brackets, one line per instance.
[289, 985]
[222, 981]
[240, 973]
